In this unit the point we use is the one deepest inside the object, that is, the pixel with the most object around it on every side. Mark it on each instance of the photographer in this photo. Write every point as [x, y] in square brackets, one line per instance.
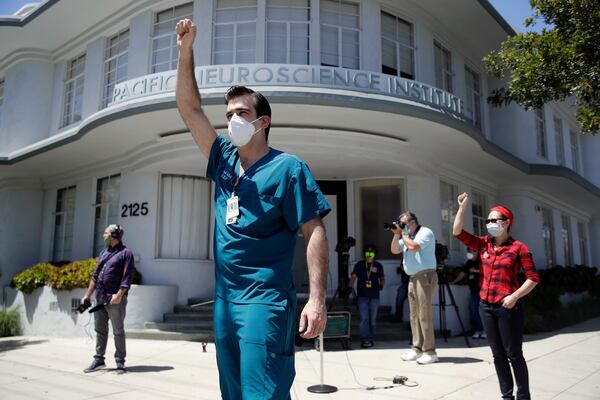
[111, 281]
[369, 275]
[418, 245]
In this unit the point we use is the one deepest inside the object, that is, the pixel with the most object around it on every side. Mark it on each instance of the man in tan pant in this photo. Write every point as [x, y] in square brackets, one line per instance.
[418, 244]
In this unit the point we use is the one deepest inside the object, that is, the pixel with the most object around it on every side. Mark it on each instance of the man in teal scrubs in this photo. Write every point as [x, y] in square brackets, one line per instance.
[262, 197]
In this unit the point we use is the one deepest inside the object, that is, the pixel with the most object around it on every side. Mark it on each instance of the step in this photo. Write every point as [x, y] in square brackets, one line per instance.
[180, 326]
[185, 308]
[187, 316]
[200, 300]
[155, 334]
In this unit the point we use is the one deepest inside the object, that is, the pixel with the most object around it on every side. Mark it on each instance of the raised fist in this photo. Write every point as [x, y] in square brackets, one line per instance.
[186, 33]
[463, 198]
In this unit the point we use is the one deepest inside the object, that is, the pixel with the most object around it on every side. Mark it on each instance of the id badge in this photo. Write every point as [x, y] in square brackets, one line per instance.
[368, 284]
[233, 210]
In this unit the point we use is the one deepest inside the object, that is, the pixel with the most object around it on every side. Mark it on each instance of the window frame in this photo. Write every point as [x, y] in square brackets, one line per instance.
[98, 205]
[64, 214]
[474, 93]
[339, 29]
[235, 37]
[567, 239]
[443, 78]
[575, 153]
[2, 85]
[479, 228]
[160, 219]
[540, 133]
[154, 37]
[71, 84]
[549, 253]
[559, 139]
[288, 26]
[398, 45]
[108, 87]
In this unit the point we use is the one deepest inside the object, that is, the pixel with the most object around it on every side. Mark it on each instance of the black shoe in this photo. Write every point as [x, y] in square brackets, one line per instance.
[95, 366]
[364, 344]
[121, 367]
[371, 344]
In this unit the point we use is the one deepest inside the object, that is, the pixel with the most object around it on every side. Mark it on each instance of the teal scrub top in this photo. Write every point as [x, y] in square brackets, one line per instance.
[277, 194]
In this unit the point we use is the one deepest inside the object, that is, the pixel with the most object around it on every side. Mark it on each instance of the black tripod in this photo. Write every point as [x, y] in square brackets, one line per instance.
[342, 291]
[443, 286]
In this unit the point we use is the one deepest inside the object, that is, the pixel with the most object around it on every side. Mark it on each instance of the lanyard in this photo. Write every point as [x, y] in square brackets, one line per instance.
[369, 270]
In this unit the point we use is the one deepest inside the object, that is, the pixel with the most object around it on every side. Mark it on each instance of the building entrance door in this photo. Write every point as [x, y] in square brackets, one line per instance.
[335, 226]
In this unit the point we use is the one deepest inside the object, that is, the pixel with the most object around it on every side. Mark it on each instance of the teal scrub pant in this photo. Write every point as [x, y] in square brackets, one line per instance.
[255, 350]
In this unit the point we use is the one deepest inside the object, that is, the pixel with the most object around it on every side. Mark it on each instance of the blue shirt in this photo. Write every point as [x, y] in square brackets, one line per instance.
[113, 271]
[424, 258]
[277, 194]
[368, 272]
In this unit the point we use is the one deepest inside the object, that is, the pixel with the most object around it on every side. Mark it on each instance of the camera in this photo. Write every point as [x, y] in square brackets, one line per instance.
[388, 226]
[84, 306]
[345, 244]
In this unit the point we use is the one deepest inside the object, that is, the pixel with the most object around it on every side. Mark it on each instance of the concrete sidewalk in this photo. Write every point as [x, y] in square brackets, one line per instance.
[563, 365]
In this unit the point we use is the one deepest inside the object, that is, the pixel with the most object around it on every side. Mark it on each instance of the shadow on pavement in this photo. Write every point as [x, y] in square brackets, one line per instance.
[148, 368]
[459, 360]
[12, 344]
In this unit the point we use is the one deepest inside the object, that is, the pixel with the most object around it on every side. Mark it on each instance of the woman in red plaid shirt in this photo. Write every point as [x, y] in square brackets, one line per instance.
[502, 257]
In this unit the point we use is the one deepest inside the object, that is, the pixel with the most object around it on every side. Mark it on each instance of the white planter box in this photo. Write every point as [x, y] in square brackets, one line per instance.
[48, 312]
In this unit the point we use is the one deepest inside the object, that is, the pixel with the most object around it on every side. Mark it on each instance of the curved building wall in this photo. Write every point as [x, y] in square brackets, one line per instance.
[95, 131]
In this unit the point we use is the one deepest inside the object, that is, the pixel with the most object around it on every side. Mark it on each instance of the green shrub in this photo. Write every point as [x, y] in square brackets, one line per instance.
[71, 276]
[543, 309]
[9, 323]
[67, 277]
[32, 278]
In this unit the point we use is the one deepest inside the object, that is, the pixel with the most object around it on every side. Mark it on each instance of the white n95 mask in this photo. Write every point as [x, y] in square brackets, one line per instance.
[495, 229]
[241, 131]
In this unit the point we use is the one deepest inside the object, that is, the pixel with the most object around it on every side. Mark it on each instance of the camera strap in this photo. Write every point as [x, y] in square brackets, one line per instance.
[412, 237]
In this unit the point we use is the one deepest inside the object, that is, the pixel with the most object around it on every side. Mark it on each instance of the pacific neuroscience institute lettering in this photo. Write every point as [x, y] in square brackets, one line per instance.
[292, 75]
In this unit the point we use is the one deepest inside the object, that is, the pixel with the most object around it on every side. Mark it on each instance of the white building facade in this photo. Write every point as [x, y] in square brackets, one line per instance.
[385, 101]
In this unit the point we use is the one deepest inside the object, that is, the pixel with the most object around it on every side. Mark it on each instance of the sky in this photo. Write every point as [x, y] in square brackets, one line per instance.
[514, 11]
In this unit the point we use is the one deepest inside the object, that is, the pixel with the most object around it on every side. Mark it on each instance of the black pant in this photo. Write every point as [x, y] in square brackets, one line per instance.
[504, 329]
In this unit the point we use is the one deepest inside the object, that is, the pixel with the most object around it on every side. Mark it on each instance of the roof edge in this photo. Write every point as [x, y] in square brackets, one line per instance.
[498, 17]
[22, 21]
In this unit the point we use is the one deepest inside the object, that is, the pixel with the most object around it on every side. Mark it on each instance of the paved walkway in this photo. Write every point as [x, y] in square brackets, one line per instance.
[563, 365]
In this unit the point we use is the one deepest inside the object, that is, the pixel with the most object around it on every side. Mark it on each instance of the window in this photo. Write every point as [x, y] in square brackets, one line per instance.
[106, 209]
[397, 47]
[184, 217]
[560, 142]
[234, 37]
[575, 151]
[115, 64]
[63, 224]
[479, 209]
[380, 200]
[540, 133]
[164, 39]
[288, 31]
[473, 103]
[582, 237]
[340, 34]
[448, 195]
[1, 96]
[567, 240]
[548, 235]
[73, 91]
[443, 67]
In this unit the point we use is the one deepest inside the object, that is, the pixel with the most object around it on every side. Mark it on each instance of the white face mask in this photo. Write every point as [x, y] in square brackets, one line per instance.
[241, 131]
[470, 256]
[495, 229]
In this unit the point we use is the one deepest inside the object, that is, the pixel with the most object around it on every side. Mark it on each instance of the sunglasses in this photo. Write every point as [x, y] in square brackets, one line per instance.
[369, 254]
[494, 220]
